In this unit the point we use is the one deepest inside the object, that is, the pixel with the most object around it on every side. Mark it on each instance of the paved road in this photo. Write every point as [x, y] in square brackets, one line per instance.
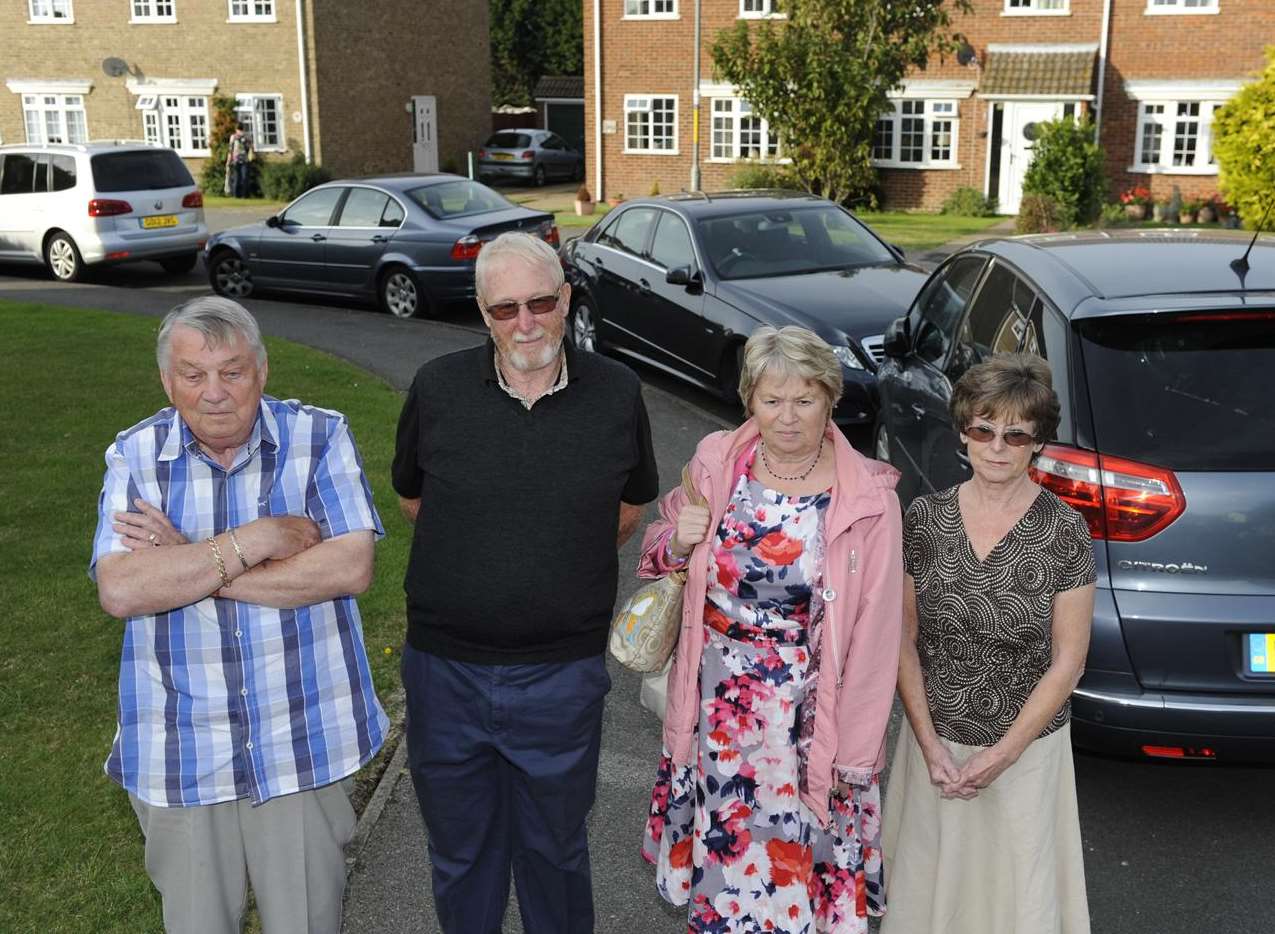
[1169, 849]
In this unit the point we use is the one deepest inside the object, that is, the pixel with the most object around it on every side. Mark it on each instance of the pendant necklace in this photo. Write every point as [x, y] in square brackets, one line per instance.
[802, 476]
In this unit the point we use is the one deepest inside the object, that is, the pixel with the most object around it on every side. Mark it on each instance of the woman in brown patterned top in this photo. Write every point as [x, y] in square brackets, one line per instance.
[982, 833]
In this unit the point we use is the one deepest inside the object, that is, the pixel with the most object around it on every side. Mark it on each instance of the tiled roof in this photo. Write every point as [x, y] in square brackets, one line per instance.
[1066, 73]
[569, 86]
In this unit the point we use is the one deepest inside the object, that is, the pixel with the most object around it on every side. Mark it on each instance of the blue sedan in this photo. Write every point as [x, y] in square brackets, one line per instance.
[407, 241]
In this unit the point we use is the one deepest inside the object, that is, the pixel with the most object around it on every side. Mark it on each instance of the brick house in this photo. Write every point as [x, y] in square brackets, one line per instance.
[344, 83]
[1150, 72]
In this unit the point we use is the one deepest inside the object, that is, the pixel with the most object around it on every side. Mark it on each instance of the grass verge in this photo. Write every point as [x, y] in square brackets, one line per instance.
[920, 232]
[258, 204]
[71, 379]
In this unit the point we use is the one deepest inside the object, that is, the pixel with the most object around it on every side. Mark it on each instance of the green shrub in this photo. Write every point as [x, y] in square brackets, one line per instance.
[1039, 213]
[1067, 165]
[763, 175]
[1244, 144]
[1113, 215]
[285, 180]
[212, 178]
[969, 202]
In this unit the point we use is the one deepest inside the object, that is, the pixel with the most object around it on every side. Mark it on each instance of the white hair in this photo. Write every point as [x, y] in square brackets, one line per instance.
[219, 319]
[515, 245]
[790, 351]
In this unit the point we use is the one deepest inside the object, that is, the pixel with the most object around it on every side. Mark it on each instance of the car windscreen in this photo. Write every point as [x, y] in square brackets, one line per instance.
[458, 199]
[508, 141]
[139, 170]
[1185, 391]
[789, 241]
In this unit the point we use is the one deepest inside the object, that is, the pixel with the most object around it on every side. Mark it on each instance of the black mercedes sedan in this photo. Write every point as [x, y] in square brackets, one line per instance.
[407, 241]
[680, 283]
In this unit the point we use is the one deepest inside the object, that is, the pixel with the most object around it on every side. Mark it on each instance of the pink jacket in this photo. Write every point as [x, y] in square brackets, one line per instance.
[863, 609]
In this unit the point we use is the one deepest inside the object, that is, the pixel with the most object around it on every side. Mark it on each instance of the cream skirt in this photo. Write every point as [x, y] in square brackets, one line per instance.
[1007, 862]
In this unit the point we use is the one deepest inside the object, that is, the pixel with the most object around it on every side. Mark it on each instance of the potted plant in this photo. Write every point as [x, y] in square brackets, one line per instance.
[1135, 201]
[616, 199]
[1190, 207]
[584, 201]
[1160, 210]
[1208, 211]
[655, 188]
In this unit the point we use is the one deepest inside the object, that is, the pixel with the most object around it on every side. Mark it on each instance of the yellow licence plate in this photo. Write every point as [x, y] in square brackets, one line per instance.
[160, 220]
[501, 156]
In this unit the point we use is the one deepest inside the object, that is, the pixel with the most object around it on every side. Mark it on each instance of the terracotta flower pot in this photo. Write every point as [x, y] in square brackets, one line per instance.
[584, 207]
[1135, 211]
[1207, 215]
[1186, 217]
[615, 202]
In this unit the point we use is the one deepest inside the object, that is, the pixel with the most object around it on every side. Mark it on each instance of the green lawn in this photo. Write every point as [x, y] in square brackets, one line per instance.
[921, 232]
[71, 379]
[265, 207]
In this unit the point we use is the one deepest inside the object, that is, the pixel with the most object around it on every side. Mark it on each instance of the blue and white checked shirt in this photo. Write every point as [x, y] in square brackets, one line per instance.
[223, 700]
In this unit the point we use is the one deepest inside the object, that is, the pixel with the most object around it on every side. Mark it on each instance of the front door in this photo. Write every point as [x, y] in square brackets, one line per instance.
[1018, 136]
[424, 134]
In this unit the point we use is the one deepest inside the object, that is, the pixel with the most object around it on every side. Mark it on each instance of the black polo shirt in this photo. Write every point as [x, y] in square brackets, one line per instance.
[514, 556]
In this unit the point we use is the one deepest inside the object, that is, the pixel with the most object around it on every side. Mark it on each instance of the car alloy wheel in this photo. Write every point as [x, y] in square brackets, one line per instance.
[399, 294]
[64, 259]
[584, 328]
[231, 277]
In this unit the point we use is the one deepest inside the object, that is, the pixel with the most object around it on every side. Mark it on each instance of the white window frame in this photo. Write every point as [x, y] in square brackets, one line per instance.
[934, 112]
[729, 119]
[46, 11]
[631, 102]
[171, 120]
[39, 106]
[765, 10]
[245, 11]
[1208, 94]
[151, 11]
[1035, 8]
[1180, 8]
[248, 110]
[654, 9]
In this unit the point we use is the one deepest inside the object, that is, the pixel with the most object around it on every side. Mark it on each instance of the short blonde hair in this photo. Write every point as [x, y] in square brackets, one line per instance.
[789, 351]
[1009, 385]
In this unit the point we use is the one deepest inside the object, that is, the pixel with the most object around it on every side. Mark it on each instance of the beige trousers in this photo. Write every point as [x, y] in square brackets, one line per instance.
[292, 848]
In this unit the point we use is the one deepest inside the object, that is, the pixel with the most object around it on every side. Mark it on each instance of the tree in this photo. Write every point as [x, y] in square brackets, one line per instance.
[1067, 165]
[821, 77]
[1244, 146]
[530, 38]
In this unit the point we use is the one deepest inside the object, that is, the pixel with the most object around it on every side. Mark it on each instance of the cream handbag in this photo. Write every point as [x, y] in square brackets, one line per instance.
[645, 628]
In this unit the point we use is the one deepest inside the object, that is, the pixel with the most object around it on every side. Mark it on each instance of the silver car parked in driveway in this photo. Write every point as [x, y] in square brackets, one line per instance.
[536, 156]
[70, 206]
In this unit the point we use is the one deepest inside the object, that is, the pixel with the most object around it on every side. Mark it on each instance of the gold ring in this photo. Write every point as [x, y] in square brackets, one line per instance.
[151, 538]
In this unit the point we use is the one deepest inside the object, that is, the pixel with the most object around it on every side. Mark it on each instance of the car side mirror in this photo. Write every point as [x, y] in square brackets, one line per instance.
[685, 276]
[896, 342]
[274, 221]
[897, 251]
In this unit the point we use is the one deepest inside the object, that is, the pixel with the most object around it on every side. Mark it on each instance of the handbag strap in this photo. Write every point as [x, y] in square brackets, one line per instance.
[692, 495]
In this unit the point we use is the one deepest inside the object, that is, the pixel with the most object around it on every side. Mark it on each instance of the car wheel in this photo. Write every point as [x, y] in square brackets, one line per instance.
[538, 176]
[176, 265]
[63, 258]
[881, 444]
[229, 275]
[400, 294]
[584, 328]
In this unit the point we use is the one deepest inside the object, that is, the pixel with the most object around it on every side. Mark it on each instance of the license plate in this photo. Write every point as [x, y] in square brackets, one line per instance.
[160, 220]
[502, 156]
[1261, 653]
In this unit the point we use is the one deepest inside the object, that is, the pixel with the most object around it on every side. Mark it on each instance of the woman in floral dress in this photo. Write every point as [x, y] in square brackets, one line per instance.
[766, 810]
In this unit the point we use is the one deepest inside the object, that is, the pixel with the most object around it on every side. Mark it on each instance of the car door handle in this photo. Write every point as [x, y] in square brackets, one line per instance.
[598, 260]
[643, 286]
[918, 410]
[318, 237]
[380, 238]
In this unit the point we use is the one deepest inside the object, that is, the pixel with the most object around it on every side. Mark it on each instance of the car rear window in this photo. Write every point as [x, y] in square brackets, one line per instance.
[139, 170]
[1184, 391]
[458, 199]
[509, 141]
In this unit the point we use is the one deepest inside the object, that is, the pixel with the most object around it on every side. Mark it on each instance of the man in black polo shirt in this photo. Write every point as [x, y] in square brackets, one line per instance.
[523, 466]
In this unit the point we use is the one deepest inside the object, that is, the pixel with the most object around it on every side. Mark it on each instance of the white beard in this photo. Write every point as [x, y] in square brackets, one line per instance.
[528, 361]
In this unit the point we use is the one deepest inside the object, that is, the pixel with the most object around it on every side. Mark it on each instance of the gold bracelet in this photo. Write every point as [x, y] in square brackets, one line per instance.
[239, 551]
[221, 562]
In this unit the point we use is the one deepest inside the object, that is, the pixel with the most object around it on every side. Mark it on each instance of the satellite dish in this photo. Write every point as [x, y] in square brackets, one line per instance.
[966, 54]
[114, 67]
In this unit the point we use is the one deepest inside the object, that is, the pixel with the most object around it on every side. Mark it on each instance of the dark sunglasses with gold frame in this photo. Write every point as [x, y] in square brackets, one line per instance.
[540, 305]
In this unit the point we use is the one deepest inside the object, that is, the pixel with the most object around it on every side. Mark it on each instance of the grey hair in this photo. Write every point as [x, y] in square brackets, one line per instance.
[790, 351]
[520, 246]
[219, 319]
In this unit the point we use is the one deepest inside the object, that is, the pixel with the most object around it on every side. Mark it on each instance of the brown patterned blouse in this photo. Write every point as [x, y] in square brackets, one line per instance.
[985, 627]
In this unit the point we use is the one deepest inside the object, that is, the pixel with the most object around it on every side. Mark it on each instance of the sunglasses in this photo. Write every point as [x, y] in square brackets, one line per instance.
[540, 305]
[1015, 437]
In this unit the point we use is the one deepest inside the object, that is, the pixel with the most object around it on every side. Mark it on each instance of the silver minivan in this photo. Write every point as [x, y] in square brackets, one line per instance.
[69, 206]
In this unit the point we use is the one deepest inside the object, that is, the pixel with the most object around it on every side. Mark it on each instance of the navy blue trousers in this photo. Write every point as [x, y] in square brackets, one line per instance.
[504, 759]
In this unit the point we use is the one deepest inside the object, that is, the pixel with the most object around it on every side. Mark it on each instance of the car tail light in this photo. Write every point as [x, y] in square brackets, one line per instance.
[482, 154]
[549, 233]
[529, 154]
[193, 200]
[108, 207]
[1179, 752]
[1121, 500]
[466, 248]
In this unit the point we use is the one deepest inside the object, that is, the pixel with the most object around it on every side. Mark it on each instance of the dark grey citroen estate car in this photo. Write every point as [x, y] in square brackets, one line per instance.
[1162, 348]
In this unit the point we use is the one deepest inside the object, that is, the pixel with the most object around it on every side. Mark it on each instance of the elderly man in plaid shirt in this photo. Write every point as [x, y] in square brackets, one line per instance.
[233, 531]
